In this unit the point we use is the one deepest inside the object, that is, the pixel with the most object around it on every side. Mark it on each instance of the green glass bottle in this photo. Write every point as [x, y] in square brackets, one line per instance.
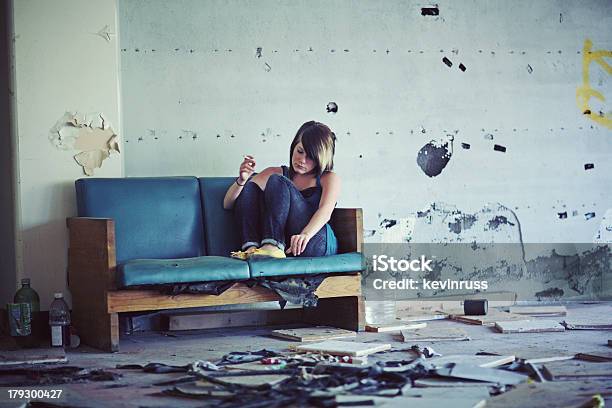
[28, 295]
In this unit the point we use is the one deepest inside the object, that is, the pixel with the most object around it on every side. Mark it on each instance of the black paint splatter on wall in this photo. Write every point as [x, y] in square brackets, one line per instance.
[589, 166]
[434, 156]
[562, 215]
[430, 11]
[499, 148]
[465, 145]
[462, 67]
[387, 223]
[332, 107]
[447, 62]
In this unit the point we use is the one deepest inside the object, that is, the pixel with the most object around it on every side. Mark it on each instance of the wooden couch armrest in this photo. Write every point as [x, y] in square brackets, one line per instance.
[348, 226]
[91, 252]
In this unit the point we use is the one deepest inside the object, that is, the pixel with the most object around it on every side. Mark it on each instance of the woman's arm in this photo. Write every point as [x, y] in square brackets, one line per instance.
[330, 183]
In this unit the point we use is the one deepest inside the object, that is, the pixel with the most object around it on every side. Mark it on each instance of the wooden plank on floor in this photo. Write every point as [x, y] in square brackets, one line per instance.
[492, 317]
[231, 318]
[32, 356]
[439, 382]
[575, 370]
[139, 300]
[481, 361]
[342, 348]
[596, 356]
[549, 394]
[423, 317]
[588, 324]
[539, 311]
[434, 334]
[530, 326]
[316, 333]
[394, 327]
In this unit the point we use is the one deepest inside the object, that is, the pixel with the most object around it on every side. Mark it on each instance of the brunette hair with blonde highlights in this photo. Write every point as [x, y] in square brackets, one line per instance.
[319, 144]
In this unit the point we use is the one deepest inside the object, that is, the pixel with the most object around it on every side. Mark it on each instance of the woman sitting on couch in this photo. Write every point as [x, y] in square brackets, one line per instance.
[286, 209]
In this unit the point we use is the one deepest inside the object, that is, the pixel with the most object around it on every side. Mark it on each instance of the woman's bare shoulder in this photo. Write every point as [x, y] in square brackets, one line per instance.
[330, 177]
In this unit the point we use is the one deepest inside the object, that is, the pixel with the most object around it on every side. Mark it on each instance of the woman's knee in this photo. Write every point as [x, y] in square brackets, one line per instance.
[276, 182]
[317, 246]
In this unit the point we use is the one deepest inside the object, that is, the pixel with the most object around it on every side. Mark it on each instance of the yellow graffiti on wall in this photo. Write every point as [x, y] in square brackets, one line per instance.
[584, 92]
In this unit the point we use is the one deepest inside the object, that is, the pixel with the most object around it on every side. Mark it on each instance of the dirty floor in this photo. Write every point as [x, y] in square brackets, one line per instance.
[135, 388]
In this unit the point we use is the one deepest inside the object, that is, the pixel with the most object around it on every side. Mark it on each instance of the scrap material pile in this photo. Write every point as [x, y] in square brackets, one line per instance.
[272, 379]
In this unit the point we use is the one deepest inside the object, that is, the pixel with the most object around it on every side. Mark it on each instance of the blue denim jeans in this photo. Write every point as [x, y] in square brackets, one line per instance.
[274, 215]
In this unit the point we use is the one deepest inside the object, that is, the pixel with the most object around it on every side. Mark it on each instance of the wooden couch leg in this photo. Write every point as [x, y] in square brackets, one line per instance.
[346, 312]
[98, 329]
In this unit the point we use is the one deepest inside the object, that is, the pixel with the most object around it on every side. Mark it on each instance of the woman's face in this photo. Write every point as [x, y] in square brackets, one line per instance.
[302, 164]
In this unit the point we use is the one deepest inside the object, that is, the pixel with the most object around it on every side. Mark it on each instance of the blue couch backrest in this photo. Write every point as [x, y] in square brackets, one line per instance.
[155, 217]
[219, 226]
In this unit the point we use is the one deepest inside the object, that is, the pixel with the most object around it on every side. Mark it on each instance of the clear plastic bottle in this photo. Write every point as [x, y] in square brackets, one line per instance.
[380, 312]
[28, 295]
[59, 320]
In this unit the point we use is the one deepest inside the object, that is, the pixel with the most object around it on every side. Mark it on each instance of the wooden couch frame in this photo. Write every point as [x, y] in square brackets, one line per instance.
[96, 301]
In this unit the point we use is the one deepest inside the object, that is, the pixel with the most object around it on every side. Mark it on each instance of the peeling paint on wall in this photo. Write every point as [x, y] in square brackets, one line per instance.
[90, 134]
[604, 233]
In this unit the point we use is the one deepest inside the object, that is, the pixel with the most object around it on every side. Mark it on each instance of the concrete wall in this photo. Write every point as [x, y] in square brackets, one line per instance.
[496, 85]
[66, 59]
[7, 203]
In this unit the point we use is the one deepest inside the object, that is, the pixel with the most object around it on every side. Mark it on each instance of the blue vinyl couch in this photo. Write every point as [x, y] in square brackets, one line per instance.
[133, 233]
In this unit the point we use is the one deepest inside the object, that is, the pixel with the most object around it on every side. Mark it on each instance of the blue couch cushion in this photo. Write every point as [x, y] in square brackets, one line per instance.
[162, 271]
[219, 225]
[155, 217]
[349, 262]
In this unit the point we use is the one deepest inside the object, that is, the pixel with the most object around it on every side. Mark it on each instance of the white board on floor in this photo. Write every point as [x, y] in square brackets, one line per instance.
[531, 326]
[342, 348]
[382, 328]
[539, 310]
[432, 334]
[481, 361]
[316, 333]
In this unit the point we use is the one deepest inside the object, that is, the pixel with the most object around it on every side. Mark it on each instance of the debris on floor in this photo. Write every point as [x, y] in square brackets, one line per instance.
[316, 333]
[342, 348]
[40, 376]
[596, 356]
[395, 327]
[529, 326]
[587, 325]
[539, 311]
[32, 356]
[434, 335]
[501, 370]
[576, 370]
[480, 361]
[493, 316]
[551, 394]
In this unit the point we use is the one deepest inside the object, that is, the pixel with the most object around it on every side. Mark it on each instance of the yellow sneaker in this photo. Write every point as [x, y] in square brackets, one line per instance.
[270, 253]
[244, 255]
